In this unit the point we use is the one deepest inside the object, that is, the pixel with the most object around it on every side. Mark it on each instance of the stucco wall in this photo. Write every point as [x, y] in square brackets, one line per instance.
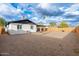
[12, 26]
[25, 27]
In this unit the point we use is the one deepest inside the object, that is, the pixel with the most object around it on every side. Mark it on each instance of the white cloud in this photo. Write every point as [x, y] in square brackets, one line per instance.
[72, 13]
[61, 8]
[57, 19]
[72, 9]
[6, 9]
[43, 5]
[35, 19]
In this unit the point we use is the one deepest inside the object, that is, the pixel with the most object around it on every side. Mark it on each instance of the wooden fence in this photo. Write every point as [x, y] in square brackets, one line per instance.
[53, 29]
[2, 30]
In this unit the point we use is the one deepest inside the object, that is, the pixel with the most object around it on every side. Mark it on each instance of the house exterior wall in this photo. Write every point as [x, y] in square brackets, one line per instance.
[12, 28]
[27, 27]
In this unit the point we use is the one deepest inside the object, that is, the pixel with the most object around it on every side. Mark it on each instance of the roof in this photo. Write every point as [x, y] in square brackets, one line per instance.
[25, 21]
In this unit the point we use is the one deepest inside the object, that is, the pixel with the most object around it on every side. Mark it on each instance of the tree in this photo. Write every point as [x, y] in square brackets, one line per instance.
[63, 24]
[52, 24]
[2, 22]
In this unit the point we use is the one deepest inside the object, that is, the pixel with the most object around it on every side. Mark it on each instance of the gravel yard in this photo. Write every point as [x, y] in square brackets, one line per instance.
[40, 44]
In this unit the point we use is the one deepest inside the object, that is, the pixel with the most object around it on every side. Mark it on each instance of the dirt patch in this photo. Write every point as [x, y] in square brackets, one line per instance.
[76, 51]
[39, 44]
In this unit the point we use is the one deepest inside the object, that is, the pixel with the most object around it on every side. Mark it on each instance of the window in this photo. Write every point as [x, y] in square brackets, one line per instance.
[19, 26]
[31, 27]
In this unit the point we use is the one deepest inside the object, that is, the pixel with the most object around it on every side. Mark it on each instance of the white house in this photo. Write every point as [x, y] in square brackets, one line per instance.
[21, 26]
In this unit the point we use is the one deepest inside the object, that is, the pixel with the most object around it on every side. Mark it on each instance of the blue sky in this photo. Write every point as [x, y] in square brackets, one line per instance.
[41, 12]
